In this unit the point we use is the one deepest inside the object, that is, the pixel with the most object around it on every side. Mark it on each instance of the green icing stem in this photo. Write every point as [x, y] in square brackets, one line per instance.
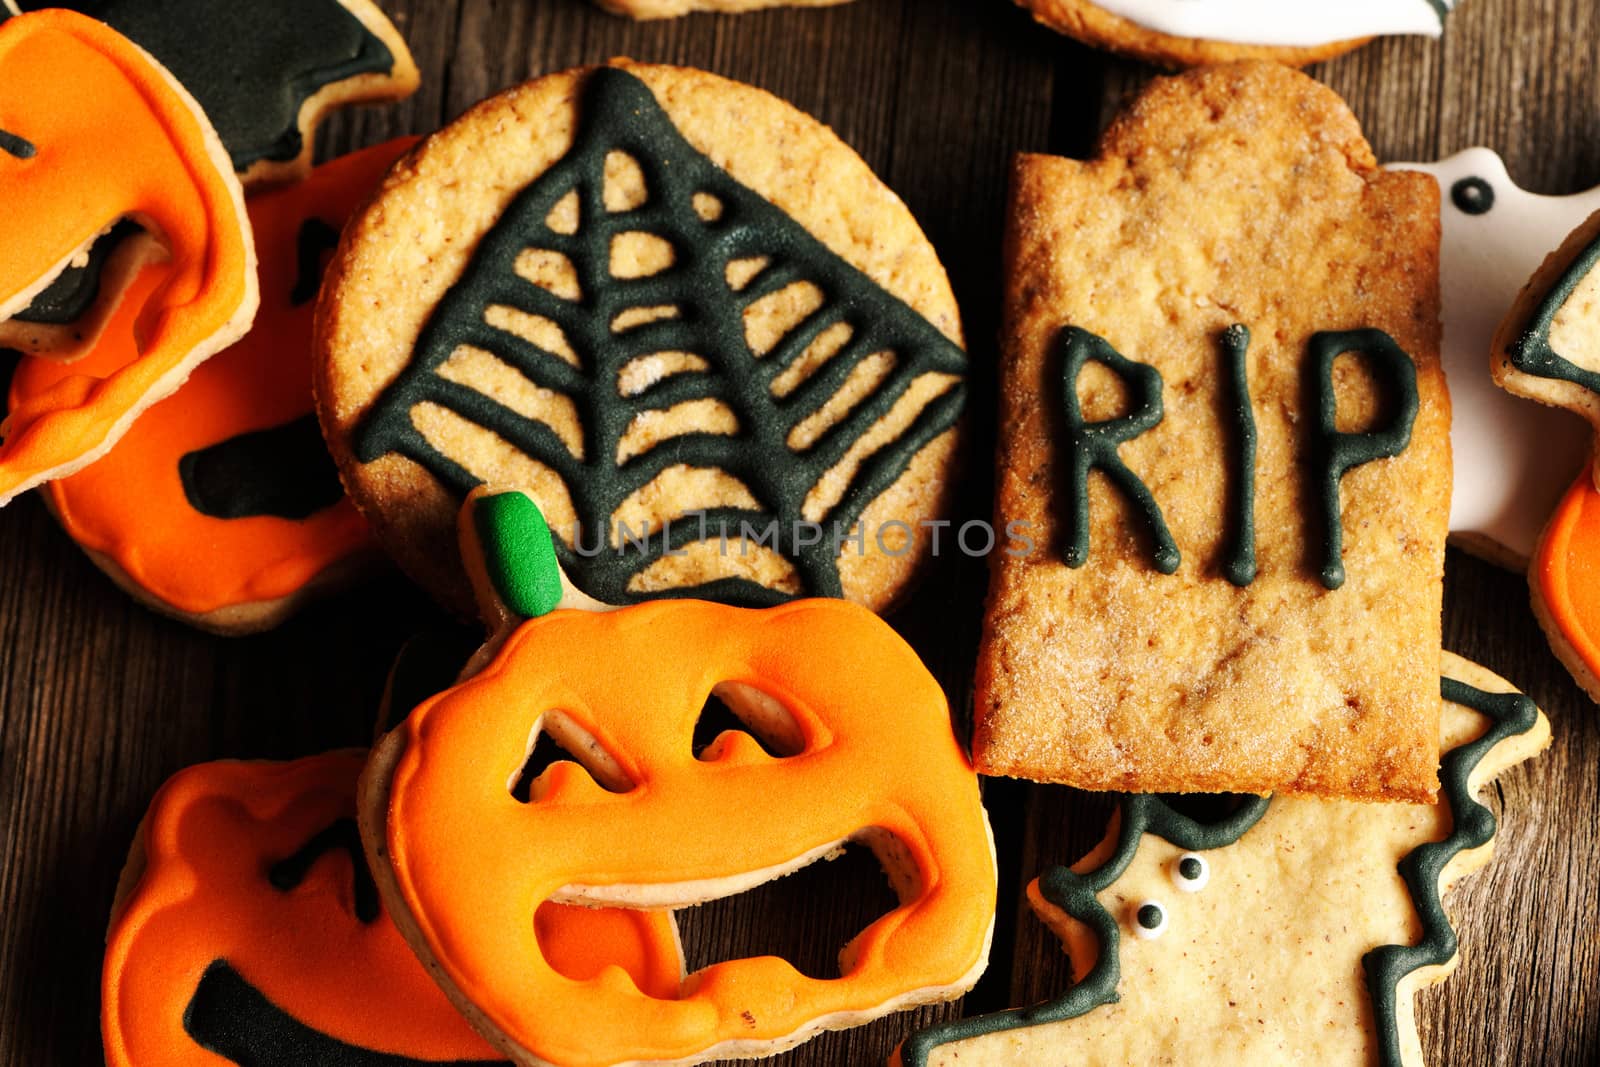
[1093, 445]
[1532, 354]
[1077, 894]
[1240, 565]
[518, 553]
[1338, 453]
[1473, 827]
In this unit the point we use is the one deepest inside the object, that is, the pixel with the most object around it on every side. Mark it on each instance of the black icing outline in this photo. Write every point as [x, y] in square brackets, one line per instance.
[619, 113]
[1473, 826]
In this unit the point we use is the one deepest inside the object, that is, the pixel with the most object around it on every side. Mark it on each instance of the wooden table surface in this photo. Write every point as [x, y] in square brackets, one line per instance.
[100, 701]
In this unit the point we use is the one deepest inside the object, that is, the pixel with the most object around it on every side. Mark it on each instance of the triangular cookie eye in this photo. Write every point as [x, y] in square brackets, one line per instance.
[559, 739]
[734, 708]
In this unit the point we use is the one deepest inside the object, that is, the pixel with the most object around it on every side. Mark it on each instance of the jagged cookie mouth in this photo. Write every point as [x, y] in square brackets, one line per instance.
[232, 1018]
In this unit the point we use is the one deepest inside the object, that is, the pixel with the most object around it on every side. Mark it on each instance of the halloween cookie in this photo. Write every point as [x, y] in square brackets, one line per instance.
[1548, 349]
[681, 314]
[1513, 461]
[66, 320]
[264, 73]
[73, 94]
[1190, 33]
[1292, 931]
[247, 930]
[1226, 431]
[855, 744]
[233, 461]
[663, 9]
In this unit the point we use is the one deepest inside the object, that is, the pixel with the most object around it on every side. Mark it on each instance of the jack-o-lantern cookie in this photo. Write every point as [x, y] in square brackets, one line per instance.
[265, 74]
[664, 9]
[247, 930]
[233, 461]
[681, 314]
[857, 745]
[1226, 430]
[74, 94]
[1191, 33]
[1292, 931]
[1513, 460]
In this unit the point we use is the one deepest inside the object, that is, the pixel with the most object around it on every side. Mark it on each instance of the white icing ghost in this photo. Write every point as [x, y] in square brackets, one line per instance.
[1513, 458]
[1283, 23]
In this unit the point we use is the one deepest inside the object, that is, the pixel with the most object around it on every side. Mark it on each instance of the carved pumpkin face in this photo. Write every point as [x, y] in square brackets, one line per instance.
[645, 822]
[73, 95]
[233, 460]
[252, 933]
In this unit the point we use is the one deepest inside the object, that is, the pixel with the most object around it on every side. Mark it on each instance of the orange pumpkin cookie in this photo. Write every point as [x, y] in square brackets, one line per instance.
[233, 461]
[681, 314]
[74, 94]
[247, 931]
[1564, 579]
[465, 849]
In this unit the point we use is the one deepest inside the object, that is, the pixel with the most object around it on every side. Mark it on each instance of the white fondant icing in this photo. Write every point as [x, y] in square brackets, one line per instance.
[1513, 458]
[1280, 23]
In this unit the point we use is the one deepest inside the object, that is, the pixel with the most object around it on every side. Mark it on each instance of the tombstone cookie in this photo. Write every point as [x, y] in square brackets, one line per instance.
[1513, 461]
[247, 930]
[74, 94]
[1295, 930]
[1191, 33]
[680, 313]
[233, 461]
[844, 737]
[1226, 433]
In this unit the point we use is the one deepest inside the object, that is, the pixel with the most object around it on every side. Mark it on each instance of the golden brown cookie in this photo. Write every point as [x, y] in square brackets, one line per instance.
[1292, 930]
[1191, 33]
[666, 9]
[680, 314]
[1225, 438]
[1548, 347]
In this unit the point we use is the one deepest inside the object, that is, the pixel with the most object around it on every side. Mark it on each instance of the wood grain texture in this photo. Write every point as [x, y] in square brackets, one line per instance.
[101, 701]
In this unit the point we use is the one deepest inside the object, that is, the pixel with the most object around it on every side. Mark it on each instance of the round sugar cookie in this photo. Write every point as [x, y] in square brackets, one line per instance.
[680, 314]
[1193, 33]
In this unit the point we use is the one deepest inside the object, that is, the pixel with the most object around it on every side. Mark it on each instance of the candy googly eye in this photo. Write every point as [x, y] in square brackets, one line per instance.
[1150, 921]
[1191, 872]
[1473, 196]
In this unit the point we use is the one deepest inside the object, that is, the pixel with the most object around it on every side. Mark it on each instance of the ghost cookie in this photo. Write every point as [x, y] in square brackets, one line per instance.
[844, 733]
[664, 9]
[234, 460]
[1225, 432]
[1513, 460]
[247, 930]
[681, 314]
[1294, 930]
[1191, 33]
[74, 94]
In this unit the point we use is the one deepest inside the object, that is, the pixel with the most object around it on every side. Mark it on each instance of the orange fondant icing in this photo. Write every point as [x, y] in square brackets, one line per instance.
[112, 136]
[471, 863]
[212, 835]
[1566, 570]
[130, 506]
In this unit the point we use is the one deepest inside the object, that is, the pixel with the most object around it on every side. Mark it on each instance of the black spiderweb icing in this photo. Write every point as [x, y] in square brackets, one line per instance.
[619, 114]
